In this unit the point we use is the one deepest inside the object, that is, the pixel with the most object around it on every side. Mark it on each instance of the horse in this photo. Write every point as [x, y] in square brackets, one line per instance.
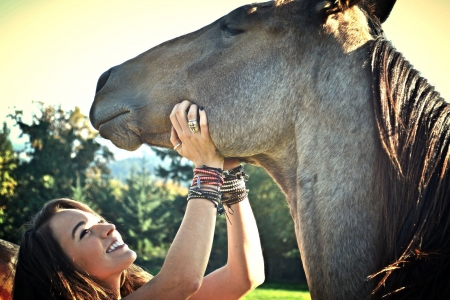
[313, 92]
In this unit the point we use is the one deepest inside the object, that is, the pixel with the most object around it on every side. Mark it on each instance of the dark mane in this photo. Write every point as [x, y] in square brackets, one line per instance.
[414, 129]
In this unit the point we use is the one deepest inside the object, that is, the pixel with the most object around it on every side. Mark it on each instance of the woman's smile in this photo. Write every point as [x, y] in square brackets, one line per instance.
[115, 246]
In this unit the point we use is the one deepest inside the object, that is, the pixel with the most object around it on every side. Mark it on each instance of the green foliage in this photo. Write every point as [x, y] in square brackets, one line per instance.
[150, 214]
[8, 163]
[180, 169]
[283, 291]
[61, 149]
[272, 214]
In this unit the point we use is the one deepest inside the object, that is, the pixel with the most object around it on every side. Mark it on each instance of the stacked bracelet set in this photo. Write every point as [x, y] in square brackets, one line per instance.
[211, 177]
[233, 190]
[219, 187]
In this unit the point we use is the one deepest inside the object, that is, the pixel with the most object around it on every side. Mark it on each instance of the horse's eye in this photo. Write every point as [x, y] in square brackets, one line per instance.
[229, 29]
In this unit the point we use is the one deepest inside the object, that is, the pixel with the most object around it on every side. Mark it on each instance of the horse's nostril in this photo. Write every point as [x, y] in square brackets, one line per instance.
[102, 80]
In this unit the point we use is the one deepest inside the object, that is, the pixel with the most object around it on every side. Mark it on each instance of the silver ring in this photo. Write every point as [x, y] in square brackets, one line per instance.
[193, 127]
[177, 145]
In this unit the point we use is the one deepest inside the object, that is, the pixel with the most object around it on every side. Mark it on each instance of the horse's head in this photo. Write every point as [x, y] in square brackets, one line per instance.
[255, 71]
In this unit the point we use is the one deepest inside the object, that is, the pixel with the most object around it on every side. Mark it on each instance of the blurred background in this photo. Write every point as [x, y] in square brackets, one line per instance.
[51, 55]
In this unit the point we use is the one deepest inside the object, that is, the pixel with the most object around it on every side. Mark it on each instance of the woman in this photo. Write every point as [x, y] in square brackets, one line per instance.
[70, 252]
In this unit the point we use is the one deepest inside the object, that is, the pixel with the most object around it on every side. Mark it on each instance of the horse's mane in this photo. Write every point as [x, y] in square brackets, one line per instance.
[414, 128]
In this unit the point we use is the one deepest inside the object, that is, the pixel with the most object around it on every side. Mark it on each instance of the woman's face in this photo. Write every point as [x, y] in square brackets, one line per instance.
[94, 246]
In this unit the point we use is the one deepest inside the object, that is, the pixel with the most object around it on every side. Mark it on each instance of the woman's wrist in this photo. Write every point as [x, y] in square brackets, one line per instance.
[218, 164]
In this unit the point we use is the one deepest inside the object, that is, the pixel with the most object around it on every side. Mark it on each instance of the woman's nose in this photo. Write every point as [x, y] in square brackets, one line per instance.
[107, 229]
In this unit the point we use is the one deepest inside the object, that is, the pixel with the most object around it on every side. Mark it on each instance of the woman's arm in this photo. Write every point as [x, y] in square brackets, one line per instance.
[185, 264]
[244, 270]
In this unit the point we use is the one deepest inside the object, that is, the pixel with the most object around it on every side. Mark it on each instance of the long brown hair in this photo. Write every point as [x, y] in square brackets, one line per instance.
[43, 270]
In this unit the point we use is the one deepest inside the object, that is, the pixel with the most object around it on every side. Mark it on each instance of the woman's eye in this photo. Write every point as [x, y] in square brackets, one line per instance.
[231, 31]
[83, 233]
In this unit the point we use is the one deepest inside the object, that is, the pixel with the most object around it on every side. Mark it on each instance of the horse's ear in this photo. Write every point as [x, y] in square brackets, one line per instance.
[380, 8]
[333, 6]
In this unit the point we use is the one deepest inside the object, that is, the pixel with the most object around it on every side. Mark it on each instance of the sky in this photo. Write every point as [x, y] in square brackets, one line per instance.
[53, 51]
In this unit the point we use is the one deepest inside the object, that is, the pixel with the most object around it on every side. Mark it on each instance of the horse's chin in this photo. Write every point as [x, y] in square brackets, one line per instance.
[121, 133]
[161, 140]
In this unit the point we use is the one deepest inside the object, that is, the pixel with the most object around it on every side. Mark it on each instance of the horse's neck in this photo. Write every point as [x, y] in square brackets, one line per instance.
[336, 215]
[331, 193]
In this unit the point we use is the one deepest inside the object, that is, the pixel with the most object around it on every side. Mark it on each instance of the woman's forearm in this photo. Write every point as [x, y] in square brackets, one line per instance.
[185, 264]
[245, 260]
[245, 266]
[190, 250]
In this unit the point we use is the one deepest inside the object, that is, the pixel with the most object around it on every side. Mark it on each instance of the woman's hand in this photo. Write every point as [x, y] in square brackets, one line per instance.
[195, 146]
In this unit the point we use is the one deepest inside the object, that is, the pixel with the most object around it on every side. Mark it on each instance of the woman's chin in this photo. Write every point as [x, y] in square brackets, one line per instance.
[125, 259]
[133, 255]
[130, 256]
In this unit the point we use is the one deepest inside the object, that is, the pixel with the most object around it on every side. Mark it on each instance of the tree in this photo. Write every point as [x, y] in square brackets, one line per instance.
[149, 215]
[8, 163]
[276, 227]
[61, 149]
[180, 169]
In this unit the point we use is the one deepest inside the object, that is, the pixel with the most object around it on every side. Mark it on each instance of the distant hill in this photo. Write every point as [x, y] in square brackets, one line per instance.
[121, 168]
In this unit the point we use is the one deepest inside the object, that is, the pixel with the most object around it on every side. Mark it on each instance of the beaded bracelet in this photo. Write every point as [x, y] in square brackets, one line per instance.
[210, 180]
[214, 197]
[208, 170]
[235, 173]
[234, 186]
[213, 178]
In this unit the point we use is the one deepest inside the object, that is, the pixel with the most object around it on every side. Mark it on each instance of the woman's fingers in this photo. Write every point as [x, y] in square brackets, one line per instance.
[181, 115]
[190, 135]
[192, 118]
[203, 123]
[178, 116]
[174, 139]
[174, 120]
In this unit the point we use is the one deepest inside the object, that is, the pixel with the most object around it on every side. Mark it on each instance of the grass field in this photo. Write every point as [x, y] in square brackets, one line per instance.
[280, 291]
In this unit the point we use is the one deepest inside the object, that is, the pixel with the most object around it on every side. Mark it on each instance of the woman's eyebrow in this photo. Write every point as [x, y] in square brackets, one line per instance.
[76, 227]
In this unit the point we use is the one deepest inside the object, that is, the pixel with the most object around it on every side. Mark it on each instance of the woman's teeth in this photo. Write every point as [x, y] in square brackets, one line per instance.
[114, 246]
